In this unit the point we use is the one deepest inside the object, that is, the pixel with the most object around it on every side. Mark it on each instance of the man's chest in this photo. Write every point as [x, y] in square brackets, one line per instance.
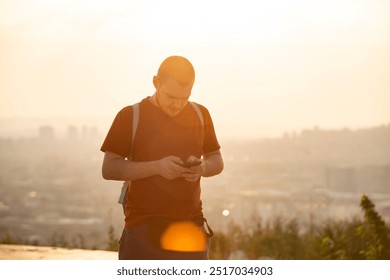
[158, 136]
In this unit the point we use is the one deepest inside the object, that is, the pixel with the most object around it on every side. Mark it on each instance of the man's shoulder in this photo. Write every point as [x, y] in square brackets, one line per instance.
[129, 108]
[202, 108]
[126, 111]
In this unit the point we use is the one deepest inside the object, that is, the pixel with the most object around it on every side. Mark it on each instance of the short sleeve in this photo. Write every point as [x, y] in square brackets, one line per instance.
[118, 139]
[210, 140]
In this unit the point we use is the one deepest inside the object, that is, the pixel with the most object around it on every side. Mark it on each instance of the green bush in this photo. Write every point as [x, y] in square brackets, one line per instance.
[367, 239]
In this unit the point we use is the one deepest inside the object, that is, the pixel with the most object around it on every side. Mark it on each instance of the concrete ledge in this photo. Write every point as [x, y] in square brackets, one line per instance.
[21, 252]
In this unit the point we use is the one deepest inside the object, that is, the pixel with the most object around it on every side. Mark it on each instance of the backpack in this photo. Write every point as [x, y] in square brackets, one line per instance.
[126, 185]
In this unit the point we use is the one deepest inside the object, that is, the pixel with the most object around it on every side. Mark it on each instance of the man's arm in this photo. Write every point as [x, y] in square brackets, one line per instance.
[213, 164]
[116, 167]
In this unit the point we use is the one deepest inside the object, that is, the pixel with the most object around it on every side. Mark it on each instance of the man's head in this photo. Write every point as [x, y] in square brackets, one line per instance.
[173, 84]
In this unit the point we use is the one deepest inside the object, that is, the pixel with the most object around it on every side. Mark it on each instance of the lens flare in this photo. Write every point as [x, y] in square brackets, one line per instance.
[183, 237]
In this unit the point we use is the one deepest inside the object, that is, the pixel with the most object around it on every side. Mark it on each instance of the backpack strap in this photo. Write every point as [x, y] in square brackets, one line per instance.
[198, 112]
[126, 184]
[134, 127]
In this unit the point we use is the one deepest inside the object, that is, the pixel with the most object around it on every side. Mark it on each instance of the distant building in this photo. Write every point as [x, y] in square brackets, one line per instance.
[90, 133]
[375, 178]
[46, 132]
[341, 179]
[73, 132]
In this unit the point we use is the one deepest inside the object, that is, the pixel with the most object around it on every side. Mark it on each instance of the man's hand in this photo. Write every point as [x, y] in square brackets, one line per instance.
[192, 174]
[171, 167]
[212, 164]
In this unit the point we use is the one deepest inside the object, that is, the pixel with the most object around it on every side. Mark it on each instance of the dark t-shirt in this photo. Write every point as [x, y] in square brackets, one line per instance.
[159, 135]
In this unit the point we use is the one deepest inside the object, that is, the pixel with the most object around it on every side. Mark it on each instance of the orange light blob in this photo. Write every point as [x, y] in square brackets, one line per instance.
[183, 237]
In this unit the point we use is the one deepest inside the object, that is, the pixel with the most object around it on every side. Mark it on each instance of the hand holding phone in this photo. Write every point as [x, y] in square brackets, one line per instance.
[192, 161]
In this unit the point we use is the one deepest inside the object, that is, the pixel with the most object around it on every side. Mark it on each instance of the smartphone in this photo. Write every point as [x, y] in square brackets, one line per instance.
[192, 163]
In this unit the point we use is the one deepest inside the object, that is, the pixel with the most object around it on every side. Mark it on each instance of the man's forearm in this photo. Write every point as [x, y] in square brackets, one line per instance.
[124, 170]
[117, 168]
[213, 165]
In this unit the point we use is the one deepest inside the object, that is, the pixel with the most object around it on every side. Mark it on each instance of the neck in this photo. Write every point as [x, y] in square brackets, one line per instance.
[154, 100]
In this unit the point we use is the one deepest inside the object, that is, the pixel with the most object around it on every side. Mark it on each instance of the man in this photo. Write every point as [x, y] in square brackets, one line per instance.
[164, 190]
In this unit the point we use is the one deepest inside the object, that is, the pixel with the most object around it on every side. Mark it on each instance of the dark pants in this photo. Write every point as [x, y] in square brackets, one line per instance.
[135, 244]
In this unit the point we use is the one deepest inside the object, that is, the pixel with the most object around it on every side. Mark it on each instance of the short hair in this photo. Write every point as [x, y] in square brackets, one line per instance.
[178, 68]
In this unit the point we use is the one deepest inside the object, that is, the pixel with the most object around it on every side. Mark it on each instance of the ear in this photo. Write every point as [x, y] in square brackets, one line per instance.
[156, 82]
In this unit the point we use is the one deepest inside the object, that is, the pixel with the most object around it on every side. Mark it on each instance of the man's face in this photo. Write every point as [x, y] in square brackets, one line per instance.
[172, 97]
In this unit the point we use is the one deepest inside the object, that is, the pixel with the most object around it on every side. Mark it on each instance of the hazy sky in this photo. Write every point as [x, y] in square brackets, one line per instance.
[263, 67]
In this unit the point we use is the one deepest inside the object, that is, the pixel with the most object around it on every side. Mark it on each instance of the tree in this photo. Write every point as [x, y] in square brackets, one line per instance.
[374, 232]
